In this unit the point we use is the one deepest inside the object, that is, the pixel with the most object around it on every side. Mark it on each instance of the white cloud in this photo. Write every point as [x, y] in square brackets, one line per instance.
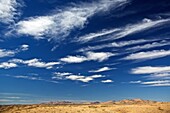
[8, 10]
[36, 63]
[27, 77]
[79, 78]
[107, 81]
[62, 74]
[153, 83]
[83, 78]
[150, 70]
[6, 53]
[71, 76]
[90, 56]
[115, 44]
[153, 72]
[74, 59]
[10, 53]
[144, 25]
[117, 33]
[24, 47]
[97, 76]
[42, 26]
[92, 36]
[98, 56]
[135, 82]
[148, 55]
[60, 24]
[101, 69]
[149, 46]
[35, 78]
[7, 65]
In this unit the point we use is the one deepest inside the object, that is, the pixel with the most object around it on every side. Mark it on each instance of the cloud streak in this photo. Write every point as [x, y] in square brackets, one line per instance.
[89, 56]
[150, 70]
[101, 70]
[107, 81]
[73, 77]
[148, 55]
[115, 45]
[121, 32]
[35, 63]
[60, 24]
[156, 83]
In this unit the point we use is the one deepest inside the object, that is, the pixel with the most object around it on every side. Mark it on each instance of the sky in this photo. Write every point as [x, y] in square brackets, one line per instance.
[84, 50]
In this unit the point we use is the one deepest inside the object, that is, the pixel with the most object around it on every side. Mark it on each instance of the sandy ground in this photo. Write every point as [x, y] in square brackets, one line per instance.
[100, 108]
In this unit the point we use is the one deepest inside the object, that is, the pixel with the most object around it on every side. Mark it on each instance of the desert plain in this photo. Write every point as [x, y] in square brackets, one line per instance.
[124, 106]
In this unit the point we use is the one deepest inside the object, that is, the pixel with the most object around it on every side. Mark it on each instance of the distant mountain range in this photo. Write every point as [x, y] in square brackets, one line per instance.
[126, 101]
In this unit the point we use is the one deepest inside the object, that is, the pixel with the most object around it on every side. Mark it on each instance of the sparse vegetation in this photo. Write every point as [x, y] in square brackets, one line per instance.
[89, 108]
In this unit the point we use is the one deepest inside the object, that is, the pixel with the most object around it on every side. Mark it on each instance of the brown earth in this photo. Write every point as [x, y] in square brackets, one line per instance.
[124, 106]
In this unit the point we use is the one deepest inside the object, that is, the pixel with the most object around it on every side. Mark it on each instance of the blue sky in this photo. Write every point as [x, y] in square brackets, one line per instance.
[84, 50]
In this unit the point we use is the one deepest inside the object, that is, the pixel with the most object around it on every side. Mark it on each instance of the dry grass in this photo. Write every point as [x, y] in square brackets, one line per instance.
[108, 108]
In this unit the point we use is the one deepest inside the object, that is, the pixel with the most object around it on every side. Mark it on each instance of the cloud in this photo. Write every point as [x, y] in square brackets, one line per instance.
[62, 74]
[141, 26]
[60, 24]
[89, 56]
[101, 69]
[148, 55]
[74, 59]
[121, 32]
[7, 65]
[13, 97]
[27, 77]
[73, 77]
[135, 82]
[153, 72]
[35, 63]
[92, 36]
[24, 47]
[107, 81]
[34, 78]
[153, 83]
[8, 10]
[6, 53]
[150, 70]
[10, 53]
[115, 45]
[42, 26]
[149, 46]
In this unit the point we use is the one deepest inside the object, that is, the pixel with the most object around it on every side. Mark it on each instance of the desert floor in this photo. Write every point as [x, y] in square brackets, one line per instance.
[100, 108]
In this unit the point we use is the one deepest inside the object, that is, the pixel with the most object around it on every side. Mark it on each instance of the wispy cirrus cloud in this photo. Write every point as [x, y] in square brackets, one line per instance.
[151, 70]
[62, 22]
[115, 44]
[150, 45]
[121, 32]
[34, 78]
[92, 36]
[35, 63]
[155, 83]
[160, 75]
[101, 69]
[74, 77]
[89, 56]
[8, 10]
[148, 55]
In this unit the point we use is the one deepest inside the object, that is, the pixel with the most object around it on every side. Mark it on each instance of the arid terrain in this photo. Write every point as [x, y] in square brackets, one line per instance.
[124, 106]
